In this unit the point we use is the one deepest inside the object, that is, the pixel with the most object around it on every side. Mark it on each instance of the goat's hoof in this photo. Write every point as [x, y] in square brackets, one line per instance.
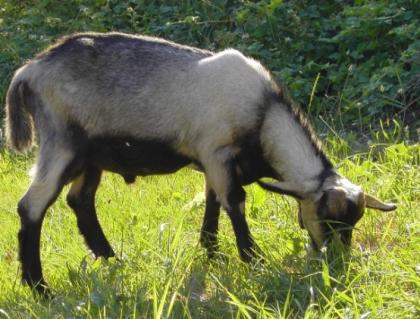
[212, 250]
[217, 257]
[252, 254]
[210, 245]
[45, 293]
[40, 290]
[246, 255]
[108, 253]
[211, 253]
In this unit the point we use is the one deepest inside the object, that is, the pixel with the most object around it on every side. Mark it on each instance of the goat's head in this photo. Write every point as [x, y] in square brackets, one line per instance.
[332, 210]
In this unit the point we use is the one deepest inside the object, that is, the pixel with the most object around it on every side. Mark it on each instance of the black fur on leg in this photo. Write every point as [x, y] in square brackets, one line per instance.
[83, 204]
[236, 211]
[210, 226]
[29, 254]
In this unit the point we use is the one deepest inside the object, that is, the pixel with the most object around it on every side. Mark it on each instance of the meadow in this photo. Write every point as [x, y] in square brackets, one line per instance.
[162, 272]
[353, 66]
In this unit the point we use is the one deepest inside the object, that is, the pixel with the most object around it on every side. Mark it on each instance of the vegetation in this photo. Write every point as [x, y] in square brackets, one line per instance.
[354, 66]
[163, 272]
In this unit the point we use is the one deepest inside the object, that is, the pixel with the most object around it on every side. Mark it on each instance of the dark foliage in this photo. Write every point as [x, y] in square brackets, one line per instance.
[355, 61]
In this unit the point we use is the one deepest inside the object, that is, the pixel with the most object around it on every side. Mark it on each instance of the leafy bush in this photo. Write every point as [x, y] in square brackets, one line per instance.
[355, 61]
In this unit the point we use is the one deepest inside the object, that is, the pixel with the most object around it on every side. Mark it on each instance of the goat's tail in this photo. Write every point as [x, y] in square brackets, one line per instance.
[19, 120]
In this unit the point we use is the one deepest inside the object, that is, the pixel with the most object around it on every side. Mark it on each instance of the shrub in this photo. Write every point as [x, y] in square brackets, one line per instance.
[364, 54]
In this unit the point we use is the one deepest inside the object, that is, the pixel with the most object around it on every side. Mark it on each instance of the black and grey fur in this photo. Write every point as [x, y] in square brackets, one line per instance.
[137, 105]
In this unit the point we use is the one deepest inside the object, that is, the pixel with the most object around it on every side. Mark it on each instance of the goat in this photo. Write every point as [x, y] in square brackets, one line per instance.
[138, 105]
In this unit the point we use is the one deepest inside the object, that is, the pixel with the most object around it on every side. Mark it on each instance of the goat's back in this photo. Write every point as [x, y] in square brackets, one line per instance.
[149, 88]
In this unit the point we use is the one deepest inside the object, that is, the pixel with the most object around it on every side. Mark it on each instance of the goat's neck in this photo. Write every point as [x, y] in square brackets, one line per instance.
[290, 149]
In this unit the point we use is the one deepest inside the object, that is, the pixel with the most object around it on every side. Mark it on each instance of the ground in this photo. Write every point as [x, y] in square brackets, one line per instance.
[162, 271]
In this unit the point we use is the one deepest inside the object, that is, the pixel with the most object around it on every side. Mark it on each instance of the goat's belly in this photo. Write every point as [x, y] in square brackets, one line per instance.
[134, 157]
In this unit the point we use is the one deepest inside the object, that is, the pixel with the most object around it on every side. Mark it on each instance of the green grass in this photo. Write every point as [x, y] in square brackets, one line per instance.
[162, 272]
[154, 224]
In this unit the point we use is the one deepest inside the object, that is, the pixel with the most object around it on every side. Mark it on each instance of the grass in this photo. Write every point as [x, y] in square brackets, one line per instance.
[162, 272]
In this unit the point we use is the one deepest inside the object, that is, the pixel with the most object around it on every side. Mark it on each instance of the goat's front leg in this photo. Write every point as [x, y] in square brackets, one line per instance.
[210, 226]
[222, 178]
[81, 198]
[236, 211]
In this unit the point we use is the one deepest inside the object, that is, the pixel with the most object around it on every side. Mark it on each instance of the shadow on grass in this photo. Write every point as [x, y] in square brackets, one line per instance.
[274, 288]
[288, 285]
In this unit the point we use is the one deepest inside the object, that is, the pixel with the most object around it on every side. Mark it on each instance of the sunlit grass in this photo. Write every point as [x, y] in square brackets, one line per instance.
[162, 272]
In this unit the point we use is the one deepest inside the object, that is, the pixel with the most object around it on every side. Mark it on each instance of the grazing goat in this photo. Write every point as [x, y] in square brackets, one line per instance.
[137, 105]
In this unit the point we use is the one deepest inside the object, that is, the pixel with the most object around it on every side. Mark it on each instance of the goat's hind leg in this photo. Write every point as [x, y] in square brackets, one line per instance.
[81, 198]
[54, 167]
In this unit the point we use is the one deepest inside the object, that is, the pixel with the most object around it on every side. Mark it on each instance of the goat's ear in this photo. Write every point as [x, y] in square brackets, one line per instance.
[372, 202]
[300, 219]
[337, 200]
[283, 188]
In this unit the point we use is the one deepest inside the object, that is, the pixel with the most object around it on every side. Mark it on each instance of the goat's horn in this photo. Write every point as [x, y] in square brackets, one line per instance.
[372, 202]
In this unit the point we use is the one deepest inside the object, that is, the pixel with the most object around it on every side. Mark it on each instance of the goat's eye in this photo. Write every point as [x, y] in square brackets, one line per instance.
[322, 210]
[323, 213]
